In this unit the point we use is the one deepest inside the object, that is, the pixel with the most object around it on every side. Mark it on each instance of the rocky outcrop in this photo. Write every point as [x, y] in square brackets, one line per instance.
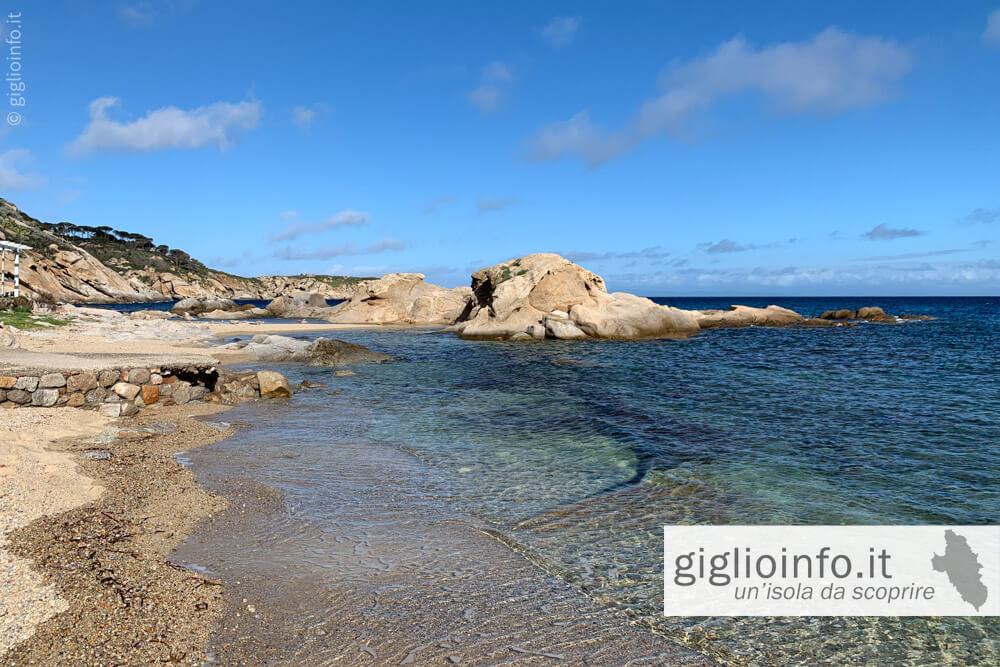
[299, 305]
[403, 298]
[320, 352]
[546, 296]
[197, 305]
[745, 316]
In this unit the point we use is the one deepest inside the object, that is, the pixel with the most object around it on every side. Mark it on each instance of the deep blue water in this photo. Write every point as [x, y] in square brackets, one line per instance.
[581, 451]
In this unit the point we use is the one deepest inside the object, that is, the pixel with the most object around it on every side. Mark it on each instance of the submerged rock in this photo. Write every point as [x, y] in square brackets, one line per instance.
[330, 352]
[402, 298]
[544, 295]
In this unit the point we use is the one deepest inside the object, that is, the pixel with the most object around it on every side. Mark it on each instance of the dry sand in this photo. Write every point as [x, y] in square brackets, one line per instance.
[35, 481]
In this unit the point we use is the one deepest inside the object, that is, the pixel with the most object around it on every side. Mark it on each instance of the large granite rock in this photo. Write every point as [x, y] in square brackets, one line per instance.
[403, 298]
[320, 352]
[206, 304]
[299, 305]
[745, 316]
[546, 296]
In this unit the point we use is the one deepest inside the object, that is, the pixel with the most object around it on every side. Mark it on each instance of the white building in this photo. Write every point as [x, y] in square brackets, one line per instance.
[15, 250]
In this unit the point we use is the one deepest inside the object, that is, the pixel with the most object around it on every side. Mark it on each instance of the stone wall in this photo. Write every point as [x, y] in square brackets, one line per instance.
[123, 392]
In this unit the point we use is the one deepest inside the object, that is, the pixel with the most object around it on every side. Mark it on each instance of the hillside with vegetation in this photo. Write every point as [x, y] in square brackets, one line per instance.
[78, 263]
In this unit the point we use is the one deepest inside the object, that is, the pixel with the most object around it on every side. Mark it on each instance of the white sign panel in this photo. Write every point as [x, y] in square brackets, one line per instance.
[831, 570]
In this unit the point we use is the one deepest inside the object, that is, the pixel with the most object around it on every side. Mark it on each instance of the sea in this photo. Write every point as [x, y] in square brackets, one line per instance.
[575, 454]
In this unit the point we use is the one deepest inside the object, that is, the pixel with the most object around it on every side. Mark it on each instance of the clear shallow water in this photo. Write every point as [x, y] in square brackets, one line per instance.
[577, 453]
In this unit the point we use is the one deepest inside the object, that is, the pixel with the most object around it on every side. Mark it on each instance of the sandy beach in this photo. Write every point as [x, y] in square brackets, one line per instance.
[94, 571]
[36, 481]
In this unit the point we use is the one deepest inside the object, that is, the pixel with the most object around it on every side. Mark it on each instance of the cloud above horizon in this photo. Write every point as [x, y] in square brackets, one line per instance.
[984, 216]
[432, 205]
[341, 250]
[833, 72]
[651, 253]
[147, 12]
[561, 30]
[11, 175]
[218, 124]
[304, 116]
[991, 36]
[911, 277]
[346, 218]
[485, 205]
[494, 81]
[884, 233]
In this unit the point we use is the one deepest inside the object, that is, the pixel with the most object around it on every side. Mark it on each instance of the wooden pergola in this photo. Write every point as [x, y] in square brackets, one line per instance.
[15, 249]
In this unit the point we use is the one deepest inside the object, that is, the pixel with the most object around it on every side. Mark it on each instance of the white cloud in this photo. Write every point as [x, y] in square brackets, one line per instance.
[830, 73]
[561, 30]
[494, 80]
[217, 124]
[489, 205]
[577, 136]
[883, 233]
[986, 216]
[346, 218]
[147, 12]
[304, 116]
[341, 250]
[11, 177]
[991, 36]
[432, 205]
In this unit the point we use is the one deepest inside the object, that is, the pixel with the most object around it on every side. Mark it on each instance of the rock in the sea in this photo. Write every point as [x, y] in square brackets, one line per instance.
[874, 314]
[545, 295]
[273, 385]
[868, 313]
[745, 316]
[329, 352]
[198, 305]
[320, 352]
[402, 298]
[842, 314]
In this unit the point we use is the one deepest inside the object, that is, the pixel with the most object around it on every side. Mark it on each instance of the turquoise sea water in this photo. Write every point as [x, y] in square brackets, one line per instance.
[578, 452]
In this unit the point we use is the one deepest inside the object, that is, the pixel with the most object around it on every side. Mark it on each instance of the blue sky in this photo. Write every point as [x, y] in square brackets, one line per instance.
[676, 149]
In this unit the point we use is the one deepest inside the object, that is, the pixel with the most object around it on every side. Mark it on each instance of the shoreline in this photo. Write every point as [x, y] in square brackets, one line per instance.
[108, 559]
